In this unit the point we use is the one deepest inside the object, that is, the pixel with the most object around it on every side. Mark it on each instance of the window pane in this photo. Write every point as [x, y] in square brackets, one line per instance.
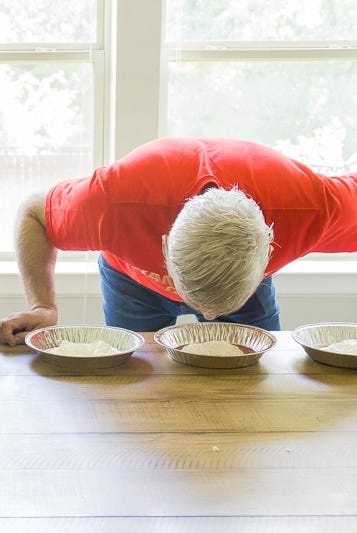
[45, 21]
[305, 109]
[276, 20]
[46, 130]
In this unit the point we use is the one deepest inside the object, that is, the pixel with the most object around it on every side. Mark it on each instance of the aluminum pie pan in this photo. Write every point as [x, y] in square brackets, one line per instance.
[314, 337]
[126, 342]
[253, 341]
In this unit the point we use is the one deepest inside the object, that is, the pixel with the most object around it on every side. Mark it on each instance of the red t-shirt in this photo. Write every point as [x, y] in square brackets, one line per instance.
[124, 209]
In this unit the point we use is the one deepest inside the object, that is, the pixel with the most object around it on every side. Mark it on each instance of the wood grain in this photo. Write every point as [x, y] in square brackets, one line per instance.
[162, 447]
[187, 524]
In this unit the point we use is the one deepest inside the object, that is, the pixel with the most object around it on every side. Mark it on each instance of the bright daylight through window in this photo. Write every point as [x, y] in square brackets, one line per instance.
[282, 73]
[46, 108]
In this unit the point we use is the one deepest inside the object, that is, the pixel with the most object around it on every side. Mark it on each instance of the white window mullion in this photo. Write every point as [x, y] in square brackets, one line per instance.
[138, 44]
[98, 111]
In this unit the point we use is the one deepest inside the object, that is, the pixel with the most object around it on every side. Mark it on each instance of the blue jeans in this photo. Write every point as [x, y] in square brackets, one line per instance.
[129, 305]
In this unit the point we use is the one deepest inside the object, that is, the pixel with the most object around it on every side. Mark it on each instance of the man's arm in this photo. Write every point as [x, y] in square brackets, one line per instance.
[36, 257]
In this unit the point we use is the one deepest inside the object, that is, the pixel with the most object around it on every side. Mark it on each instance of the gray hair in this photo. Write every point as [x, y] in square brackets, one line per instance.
[217, 250]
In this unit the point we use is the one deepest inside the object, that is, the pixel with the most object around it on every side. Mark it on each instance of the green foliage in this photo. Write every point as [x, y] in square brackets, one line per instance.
[306, 108]
[45, 21]
[255, 20]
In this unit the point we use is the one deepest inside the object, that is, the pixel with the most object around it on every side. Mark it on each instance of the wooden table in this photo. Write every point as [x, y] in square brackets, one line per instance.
[155, 446]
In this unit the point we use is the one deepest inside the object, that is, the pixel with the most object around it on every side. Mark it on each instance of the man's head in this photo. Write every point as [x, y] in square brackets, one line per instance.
[217, 251]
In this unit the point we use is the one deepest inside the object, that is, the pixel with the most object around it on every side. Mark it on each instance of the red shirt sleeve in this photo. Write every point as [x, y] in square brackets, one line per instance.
[76, 213]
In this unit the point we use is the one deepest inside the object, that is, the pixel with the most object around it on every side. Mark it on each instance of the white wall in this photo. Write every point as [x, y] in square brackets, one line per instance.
[295, 310]
[304, 295]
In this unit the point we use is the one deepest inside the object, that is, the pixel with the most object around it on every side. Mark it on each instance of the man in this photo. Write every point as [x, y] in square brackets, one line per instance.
[184, 225]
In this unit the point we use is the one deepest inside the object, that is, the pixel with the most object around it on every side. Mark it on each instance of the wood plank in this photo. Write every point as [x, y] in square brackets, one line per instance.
[251, 492]
[172, 451]
[148, 524]
[182, 388]
[245, 416]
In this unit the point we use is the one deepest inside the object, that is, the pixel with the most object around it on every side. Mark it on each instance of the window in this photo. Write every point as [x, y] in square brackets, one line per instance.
[85, 81]
[51, 109]
[282, 73]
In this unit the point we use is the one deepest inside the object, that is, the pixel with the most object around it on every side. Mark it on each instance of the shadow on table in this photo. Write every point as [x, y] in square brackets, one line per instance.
[135, 367]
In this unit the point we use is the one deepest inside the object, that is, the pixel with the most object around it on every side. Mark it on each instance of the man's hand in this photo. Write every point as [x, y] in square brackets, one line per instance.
[36, 257]
[14, 327]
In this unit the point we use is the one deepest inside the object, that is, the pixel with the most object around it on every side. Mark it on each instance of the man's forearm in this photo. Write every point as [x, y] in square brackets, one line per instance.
[36, 255]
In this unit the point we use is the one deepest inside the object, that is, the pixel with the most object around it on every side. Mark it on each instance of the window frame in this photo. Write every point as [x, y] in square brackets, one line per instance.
[97, 54]
[215, 51]
[131, 88]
